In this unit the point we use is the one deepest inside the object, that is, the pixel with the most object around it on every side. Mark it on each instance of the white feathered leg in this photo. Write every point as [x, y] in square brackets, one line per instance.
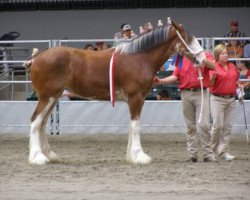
[51, 155]
[36, 156]
[135, 153]
[37, 138]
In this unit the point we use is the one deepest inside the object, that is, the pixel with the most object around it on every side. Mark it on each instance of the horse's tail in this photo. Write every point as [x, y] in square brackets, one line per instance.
[27, 64]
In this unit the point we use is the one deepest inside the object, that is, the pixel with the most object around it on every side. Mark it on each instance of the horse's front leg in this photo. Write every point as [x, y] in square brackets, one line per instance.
[135, 153]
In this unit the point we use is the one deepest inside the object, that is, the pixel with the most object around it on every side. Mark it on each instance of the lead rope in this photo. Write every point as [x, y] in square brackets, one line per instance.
[199, 71]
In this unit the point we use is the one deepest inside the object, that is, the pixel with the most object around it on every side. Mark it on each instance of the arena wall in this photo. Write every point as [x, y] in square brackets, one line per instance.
[91, 117]
[99, 24]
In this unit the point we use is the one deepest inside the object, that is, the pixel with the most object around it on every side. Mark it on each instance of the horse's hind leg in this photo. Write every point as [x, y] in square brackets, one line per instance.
[135, 153]
[37, 133]
[44, 141]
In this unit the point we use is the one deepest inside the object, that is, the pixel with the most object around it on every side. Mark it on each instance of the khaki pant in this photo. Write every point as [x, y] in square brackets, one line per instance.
[223, 111]
[191, 103]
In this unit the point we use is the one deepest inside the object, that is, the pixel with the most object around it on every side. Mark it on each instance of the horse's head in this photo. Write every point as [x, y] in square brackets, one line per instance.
[188, 44]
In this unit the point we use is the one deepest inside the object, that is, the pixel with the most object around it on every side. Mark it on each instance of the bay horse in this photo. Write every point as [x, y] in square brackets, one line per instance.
[86, 73]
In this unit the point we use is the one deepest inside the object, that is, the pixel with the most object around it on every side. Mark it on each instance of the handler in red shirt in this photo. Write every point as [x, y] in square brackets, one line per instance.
[188, 74]
[189, 84]
[224, 82]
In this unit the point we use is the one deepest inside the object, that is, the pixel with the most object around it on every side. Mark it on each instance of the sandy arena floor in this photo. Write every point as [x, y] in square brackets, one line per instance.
[94, 167]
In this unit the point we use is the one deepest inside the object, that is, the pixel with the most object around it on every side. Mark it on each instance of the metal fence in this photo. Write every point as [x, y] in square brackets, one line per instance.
[10, 62]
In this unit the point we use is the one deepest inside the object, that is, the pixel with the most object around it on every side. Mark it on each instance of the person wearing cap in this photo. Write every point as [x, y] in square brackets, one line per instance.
[127, 32]
[235, 31]
[127, 35]
[190, 87]
[224, 82]
[118, 35]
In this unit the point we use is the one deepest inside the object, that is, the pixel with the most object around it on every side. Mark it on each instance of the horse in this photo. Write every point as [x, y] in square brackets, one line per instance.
[86, 73]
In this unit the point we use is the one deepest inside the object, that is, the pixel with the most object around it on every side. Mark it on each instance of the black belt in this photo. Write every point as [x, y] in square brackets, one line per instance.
[224, 96]
[194, 89]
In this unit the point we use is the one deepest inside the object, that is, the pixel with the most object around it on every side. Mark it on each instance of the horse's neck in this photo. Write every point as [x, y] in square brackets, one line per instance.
[159, 55]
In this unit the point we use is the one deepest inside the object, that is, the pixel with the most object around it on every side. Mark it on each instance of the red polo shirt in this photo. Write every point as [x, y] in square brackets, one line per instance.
[226, 81]
[188, 74]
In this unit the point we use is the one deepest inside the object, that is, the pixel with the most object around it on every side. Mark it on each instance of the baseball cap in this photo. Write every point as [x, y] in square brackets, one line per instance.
[234, 23]
[121, 27]
[126, 27]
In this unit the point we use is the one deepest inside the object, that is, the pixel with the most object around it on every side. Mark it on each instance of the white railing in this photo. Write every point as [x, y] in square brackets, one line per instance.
[207, 43]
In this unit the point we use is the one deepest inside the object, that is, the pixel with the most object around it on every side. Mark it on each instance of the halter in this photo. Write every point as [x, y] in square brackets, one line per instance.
[199, 70]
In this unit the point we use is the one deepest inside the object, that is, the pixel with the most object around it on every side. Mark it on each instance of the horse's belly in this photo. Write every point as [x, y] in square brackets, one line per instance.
[120, 96]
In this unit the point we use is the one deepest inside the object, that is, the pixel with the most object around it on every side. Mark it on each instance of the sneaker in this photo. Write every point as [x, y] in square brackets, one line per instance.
[193, 158]
[210, 159]
[227, 157]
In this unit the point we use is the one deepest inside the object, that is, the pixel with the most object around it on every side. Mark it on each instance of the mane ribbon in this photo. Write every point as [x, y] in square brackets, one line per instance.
[199, 70]
[111, 78]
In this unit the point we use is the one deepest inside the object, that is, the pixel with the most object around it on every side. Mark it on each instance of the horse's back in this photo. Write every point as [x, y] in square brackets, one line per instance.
[76, 69]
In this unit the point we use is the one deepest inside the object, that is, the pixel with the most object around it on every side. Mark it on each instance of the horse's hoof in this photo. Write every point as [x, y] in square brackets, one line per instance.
[38, 159]
[141, 159]
[53, 157]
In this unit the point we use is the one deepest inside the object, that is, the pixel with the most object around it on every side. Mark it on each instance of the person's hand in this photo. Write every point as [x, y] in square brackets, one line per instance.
[156, 81]
[215, 74]
[199, 58]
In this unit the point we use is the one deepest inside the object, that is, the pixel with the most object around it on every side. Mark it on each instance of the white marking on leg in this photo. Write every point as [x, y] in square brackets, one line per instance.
[135, 153]
[37, 139]
[46, 147]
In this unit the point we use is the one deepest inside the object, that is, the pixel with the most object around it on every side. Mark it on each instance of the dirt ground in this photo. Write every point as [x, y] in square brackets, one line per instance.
[94, 167]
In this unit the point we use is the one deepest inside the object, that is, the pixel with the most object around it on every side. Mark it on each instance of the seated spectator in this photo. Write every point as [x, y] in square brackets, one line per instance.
[106, 46]
[89, 47]
[163, 95]
[98, 46]
[234, 50]
[234, 32]
[247, 51]
[243, 68]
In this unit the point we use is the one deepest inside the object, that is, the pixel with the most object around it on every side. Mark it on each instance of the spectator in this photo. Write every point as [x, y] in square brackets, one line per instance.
[127, 35]
[243, 69]
[98, 46]
[247, 51]
[244, 72]
[235, 32]
[89, 47]
[106, 46]
[234, 51]
[223, 91]
[189, 85]
[163, 95]
[118, 35]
